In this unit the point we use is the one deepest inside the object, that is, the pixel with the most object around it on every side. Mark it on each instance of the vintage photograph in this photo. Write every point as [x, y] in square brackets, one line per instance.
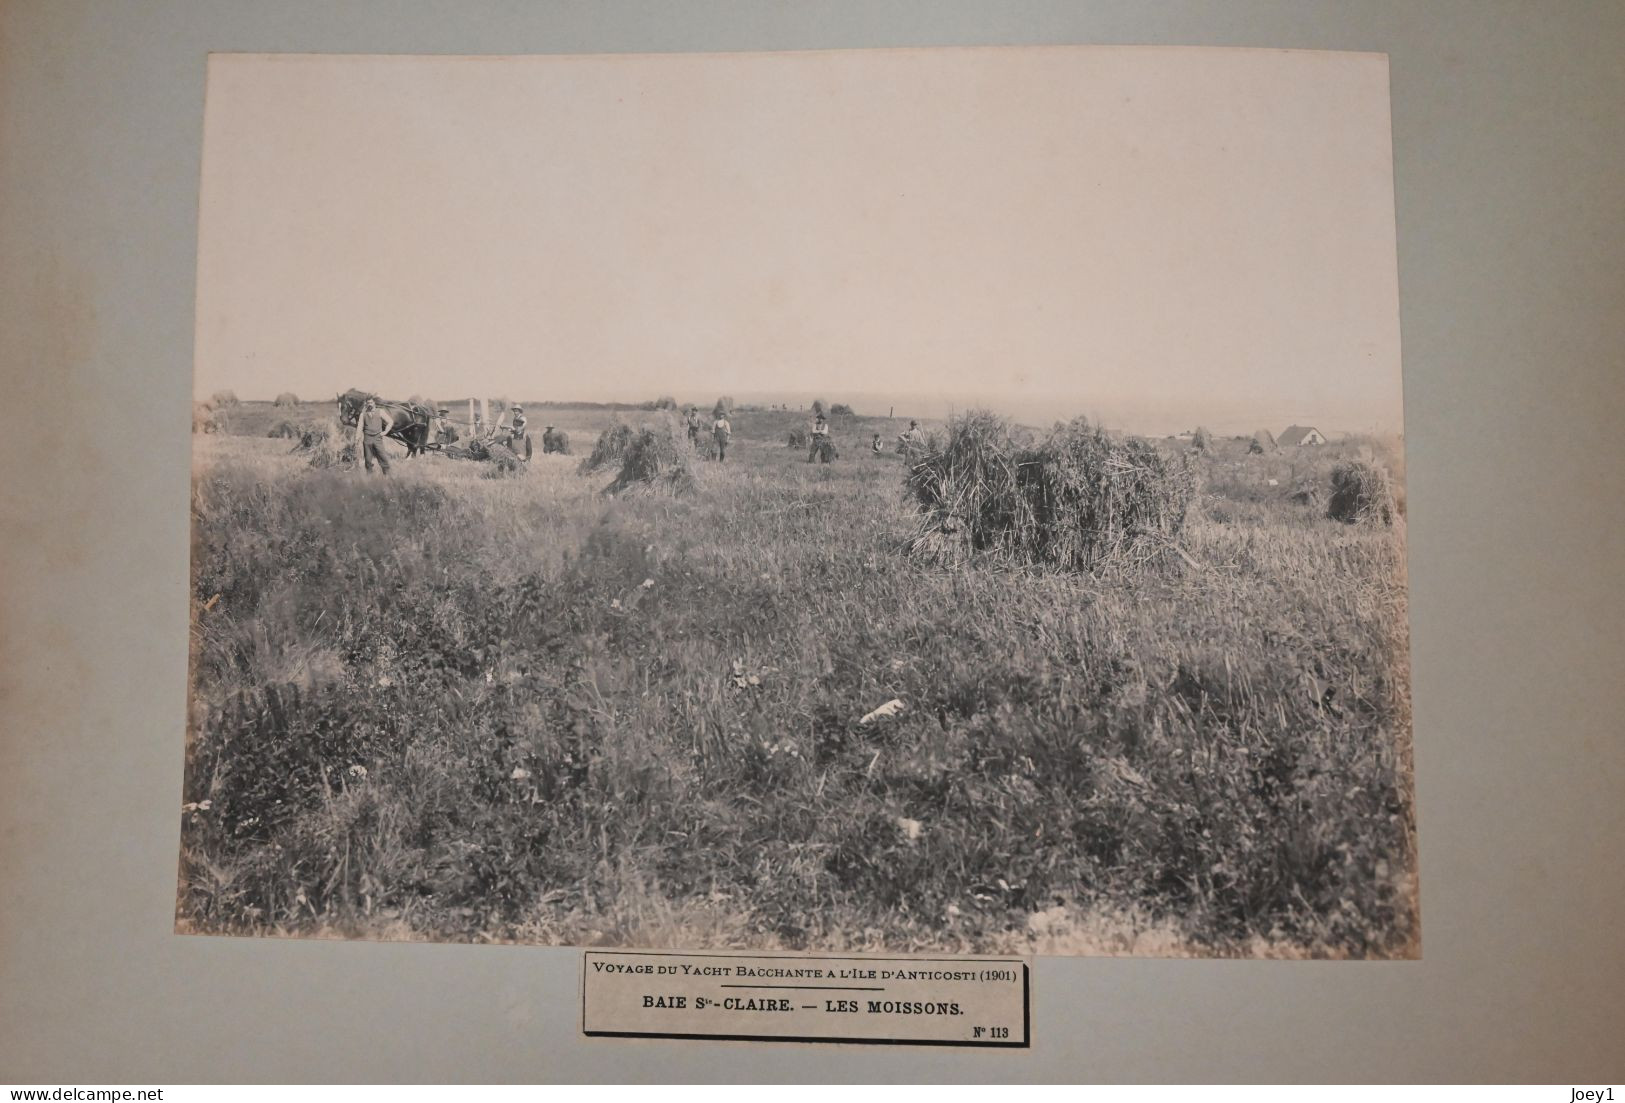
[885, 500]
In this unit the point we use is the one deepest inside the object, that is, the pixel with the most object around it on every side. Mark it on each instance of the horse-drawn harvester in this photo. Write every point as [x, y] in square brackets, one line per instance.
[422, 429]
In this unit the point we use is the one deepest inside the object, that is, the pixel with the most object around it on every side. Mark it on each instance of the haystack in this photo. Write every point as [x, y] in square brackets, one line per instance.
[797, 438]
[556, 441]
[610, 448]
[658, 459]
[1202, 439]
[1361, 491]
[1077, 499]
[286, 430]
[1263, 442]
[222, 399]
[286, 398]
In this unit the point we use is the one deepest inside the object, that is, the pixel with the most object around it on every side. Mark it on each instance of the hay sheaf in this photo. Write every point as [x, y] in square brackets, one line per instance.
[323, 447]
[330, 452]
[658, 459]
[1361, 492]
[556, 442]
[1077, 499]
[286, 398]
[796, 438]
[285, 430]
[313, 436]
[610, 448]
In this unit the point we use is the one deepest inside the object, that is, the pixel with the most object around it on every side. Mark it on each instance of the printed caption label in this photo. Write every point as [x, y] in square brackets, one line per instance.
[955, 1001]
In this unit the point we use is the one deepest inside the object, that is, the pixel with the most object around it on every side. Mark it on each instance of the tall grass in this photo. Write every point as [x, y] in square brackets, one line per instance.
[436, 706]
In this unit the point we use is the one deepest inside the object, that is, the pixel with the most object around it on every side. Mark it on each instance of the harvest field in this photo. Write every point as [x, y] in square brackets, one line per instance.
[450, 706]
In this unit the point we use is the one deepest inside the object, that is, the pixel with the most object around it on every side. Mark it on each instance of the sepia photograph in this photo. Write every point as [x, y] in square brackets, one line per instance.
[893, 500]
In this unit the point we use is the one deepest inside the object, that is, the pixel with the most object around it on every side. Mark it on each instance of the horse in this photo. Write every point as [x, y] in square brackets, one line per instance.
[410, 419]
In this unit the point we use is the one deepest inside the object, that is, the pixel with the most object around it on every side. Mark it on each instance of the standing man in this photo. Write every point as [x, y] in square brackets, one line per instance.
[693, 420]
[444, 433]
[820, 438]
[375, 426]
[519, 441]
[722, 432]
[909, 438]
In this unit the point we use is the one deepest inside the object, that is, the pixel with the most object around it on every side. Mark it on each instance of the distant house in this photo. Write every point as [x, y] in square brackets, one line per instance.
[1296, 435]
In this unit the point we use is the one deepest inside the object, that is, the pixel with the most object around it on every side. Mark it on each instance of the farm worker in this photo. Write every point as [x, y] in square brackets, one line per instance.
[444, 433]
[693, 420]
[820, 438]
[375, 426]
[722, 432]
[519, 437]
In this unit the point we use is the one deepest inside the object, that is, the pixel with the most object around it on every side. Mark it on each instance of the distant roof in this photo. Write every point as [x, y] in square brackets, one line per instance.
[1294, 434]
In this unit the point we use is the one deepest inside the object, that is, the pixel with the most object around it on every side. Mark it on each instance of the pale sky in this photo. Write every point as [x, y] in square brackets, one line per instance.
[1154, 237]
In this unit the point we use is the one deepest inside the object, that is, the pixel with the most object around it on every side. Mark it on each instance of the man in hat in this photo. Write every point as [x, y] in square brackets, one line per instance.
[909, 438]
[519, 439]
[819, 440]
[722, 433]
[374, 425]
[444, 431]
